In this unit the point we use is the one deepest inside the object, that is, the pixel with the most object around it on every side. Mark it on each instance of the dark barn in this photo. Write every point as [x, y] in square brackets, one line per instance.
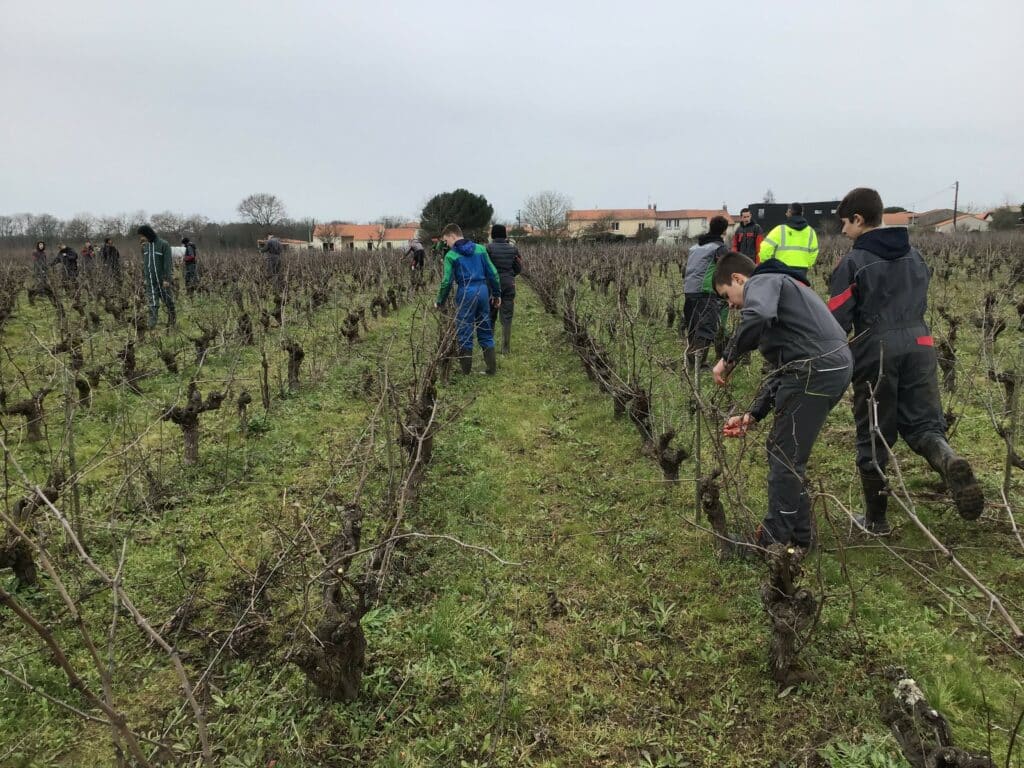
[821, 215]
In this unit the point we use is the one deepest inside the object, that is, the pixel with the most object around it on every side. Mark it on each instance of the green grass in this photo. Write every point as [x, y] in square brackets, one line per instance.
[618, 639]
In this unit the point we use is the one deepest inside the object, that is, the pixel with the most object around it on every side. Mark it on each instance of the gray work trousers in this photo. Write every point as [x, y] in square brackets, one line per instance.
[802, 405]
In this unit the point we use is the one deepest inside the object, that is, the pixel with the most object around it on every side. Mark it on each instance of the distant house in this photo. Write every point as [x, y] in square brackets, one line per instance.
[289, 244]
[684, 223]
[928, 219]
[965, 222]
[363, 237]
[620, 221]
[689, 223]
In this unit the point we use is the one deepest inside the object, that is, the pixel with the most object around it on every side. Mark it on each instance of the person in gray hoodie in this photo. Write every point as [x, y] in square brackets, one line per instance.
[702, 309]
[812, 365]
[157, 274]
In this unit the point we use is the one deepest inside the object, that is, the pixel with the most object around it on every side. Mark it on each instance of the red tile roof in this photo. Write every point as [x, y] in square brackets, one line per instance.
[901, 219]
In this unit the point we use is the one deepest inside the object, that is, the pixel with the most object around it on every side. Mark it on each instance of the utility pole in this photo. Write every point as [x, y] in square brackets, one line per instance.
[956, 195]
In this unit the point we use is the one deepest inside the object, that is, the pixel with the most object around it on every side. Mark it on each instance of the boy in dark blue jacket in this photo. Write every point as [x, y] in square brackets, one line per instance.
[879, 291]
[468, 266]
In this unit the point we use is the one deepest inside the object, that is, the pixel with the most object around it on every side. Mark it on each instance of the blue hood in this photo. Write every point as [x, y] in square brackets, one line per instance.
[774, 266]
[885, 242]
[464, 247]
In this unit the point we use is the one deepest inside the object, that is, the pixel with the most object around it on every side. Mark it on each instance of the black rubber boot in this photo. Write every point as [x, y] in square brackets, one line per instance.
[956, 471]
[743, 546]
[875, 503]
[506, 335]
[491, 361]
[466, 360]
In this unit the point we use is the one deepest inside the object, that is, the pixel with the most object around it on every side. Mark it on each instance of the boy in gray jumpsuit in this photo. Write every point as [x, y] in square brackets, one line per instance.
[811, 361]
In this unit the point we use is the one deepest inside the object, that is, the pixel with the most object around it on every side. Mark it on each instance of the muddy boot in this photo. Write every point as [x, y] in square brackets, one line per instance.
[506, 335]
[956, 471]
[875, 502]
[742, 546]
[491, 360]
[466, 360]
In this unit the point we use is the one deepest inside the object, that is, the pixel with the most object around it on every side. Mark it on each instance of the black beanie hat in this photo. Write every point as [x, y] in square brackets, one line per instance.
[497, 231]
[185, 241]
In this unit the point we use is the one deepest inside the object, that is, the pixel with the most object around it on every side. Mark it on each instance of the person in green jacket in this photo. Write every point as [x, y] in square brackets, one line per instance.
[157, 274]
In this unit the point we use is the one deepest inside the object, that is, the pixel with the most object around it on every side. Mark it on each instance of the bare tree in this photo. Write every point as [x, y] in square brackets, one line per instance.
[8, 226]
[80, 227]
[390, 221]
[44, 226]
[108, 226]
[546, 211]
[194, 223]
[22, 223]
[135, 220]
[167, 221]
[263, 208]
[769, 196]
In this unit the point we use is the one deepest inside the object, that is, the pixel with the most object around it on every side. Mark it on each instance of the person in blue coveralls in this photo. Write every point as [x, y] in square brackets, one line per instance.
[467, 265]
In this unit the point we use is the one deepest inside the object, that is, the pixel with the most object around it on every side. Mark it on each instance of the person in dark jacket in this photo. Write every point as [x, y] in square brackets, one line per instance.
[748, 236]
[191, 268]
[880, 292]
[67, 258]
[272, 250]
[702, 309]
[40, 274]
[111, 258]
[506, 259]
[469, 267]
[812, 365]
[157, 274]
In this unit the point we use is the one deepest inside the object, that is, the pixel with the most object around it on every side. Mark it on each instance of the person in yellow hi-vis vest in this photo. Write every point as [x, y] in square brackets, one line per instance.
[794, 243]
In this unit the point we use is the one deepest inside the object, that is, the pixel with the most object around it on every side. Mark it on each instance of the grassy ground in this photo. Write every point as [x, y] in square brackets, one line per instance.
[615, 638]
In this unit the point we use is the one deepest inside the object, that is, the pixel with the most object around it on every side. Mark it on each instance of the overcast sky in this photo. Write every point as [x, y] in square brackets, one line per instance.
[351, 110]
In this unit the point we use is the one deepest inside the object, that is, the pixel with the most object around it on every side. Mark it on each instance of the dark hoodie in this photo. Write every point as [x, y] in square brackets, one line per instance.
[67, 257]
[40, 263]
[796, 222]
[774, 266]
[881, 284]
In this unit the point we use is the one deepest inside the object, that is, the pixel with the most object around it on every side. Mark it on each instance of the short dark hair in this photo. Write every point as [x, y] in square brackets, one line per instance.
[107, 240]
[744, 210]
[865, 201]
[452, 229]
[797, 209]
[730, 264]
[718, 225]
